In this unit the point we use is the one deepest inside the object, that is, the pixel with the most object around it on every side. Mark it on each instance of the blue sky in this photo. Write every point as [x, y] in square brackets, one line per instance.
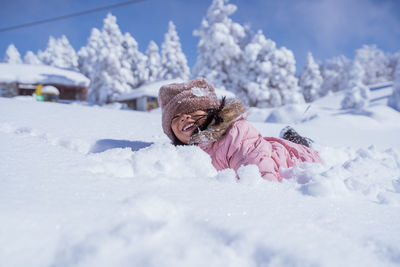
[327, 28]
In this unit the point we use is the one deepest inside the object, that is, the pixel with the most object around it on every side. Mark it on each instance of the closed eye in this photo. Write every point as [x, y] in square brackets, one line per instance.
[198, 117]
[175, 117]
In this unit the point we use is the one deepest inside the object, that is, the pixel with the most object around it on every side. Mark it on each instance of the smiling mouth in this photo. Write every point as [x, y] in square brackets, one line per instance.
[188, 127]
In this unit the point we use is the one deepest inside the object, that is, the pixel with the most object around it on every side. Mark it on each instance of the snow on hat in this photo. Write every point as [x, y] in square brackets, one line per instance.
[184, 98]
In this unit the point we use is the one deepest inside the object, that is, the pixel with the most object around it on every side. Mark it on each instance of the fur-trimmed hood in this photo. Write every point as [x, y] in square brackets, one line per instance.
[234, 110]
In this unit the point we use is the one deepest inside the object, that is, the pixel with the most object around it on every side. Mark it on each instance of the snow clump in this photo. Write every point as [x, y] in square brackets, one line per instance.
[199, 92]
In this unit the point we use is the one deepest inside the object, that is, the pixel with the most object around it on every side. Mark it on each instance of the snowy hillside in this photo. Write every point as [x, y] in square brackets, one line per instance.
[90, 186]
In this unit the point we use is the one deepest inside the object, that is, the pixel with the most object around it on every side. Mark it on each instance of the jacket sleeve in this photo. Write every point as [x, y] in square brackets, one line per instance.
[245, 146]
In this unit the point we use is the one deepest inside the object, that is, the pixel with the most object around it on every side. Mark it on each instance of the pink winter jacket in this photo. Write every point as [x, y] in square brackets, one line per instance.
[244, 145]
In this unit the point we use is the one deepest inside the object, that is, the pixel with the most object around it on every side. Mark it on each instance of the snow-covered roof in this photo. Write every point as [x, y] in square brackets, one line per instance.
[152, 89]
[35, 74]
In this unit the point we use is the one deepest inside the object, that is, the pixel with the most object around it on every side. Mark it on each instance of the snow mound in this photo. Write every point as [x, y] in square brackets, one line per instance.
[366, 173]
[162, 163]
[165, 161]
[292, 114]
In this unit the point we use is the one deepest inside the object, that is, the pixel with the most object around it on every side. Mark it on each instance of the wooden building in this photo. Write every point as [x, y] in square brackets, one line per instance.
[23, 79]
[144, 98]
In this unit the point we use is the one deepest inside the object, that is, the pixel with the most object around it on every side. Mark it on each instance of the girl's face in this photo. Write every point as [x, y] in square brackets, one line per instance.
[183, 125]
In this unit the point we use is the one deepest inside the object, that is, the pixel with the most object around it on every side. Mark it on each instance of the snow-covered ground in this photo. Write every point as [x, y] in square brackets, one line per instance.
[91, 186]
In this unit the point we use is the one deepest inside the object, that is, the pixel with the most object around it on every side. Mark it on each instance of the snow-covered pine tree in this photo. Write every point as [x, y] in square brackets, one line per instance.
[334, 74]
[88, 55]
[153, 61]
[115, 74]
[31, 59]
[394, 99]
[266, 74]
[283, 76]
[135, 61]
[59, 53]
[103, 62]
[375, 64]
[12, 55]
[253, 76]
[357, 94]
[219, 48]
[311, 79]
[173, 60]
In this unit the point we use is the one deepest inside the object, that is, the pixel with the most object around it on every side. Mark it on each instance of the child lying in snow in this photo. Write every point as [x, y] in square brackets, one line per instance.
[192, 115]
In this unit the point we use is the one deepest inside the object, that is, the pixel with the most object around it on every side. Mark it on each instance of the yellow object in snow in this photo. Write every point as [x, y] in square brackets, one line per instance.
[38, 89]
[38, 93]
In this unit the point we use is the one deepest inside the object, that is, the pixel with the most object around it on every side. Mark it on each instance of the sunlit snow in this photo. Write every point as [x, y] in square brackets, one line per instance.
[91, 186]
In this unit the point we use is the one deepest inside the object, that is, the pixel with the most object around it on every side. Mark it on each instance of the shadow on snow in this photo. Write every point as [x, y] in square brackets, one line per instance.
[106, 144]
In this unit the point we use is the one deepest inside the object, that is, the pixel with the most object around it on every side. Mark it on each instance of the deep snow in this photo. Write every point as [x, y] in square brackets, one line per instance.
[91, 186]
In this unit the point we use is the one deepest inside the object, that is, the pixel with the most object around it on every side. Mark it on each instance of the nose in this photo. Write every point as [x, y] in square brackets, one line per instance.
[185, 117]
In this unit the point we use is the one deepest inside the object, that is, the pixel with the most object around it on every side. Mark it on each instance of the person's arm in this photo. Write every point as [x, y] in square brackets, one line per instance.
[246, 146]
[265, 166]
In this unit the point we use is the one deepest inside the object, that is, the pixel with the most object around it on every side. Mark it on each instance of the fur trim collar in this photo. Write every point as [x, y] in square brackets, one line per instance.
[234, 110]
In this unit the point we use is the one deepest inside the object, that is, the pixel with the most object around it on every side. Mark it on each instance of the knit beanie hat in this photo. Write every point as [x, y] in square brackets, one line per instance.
[184, 98]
